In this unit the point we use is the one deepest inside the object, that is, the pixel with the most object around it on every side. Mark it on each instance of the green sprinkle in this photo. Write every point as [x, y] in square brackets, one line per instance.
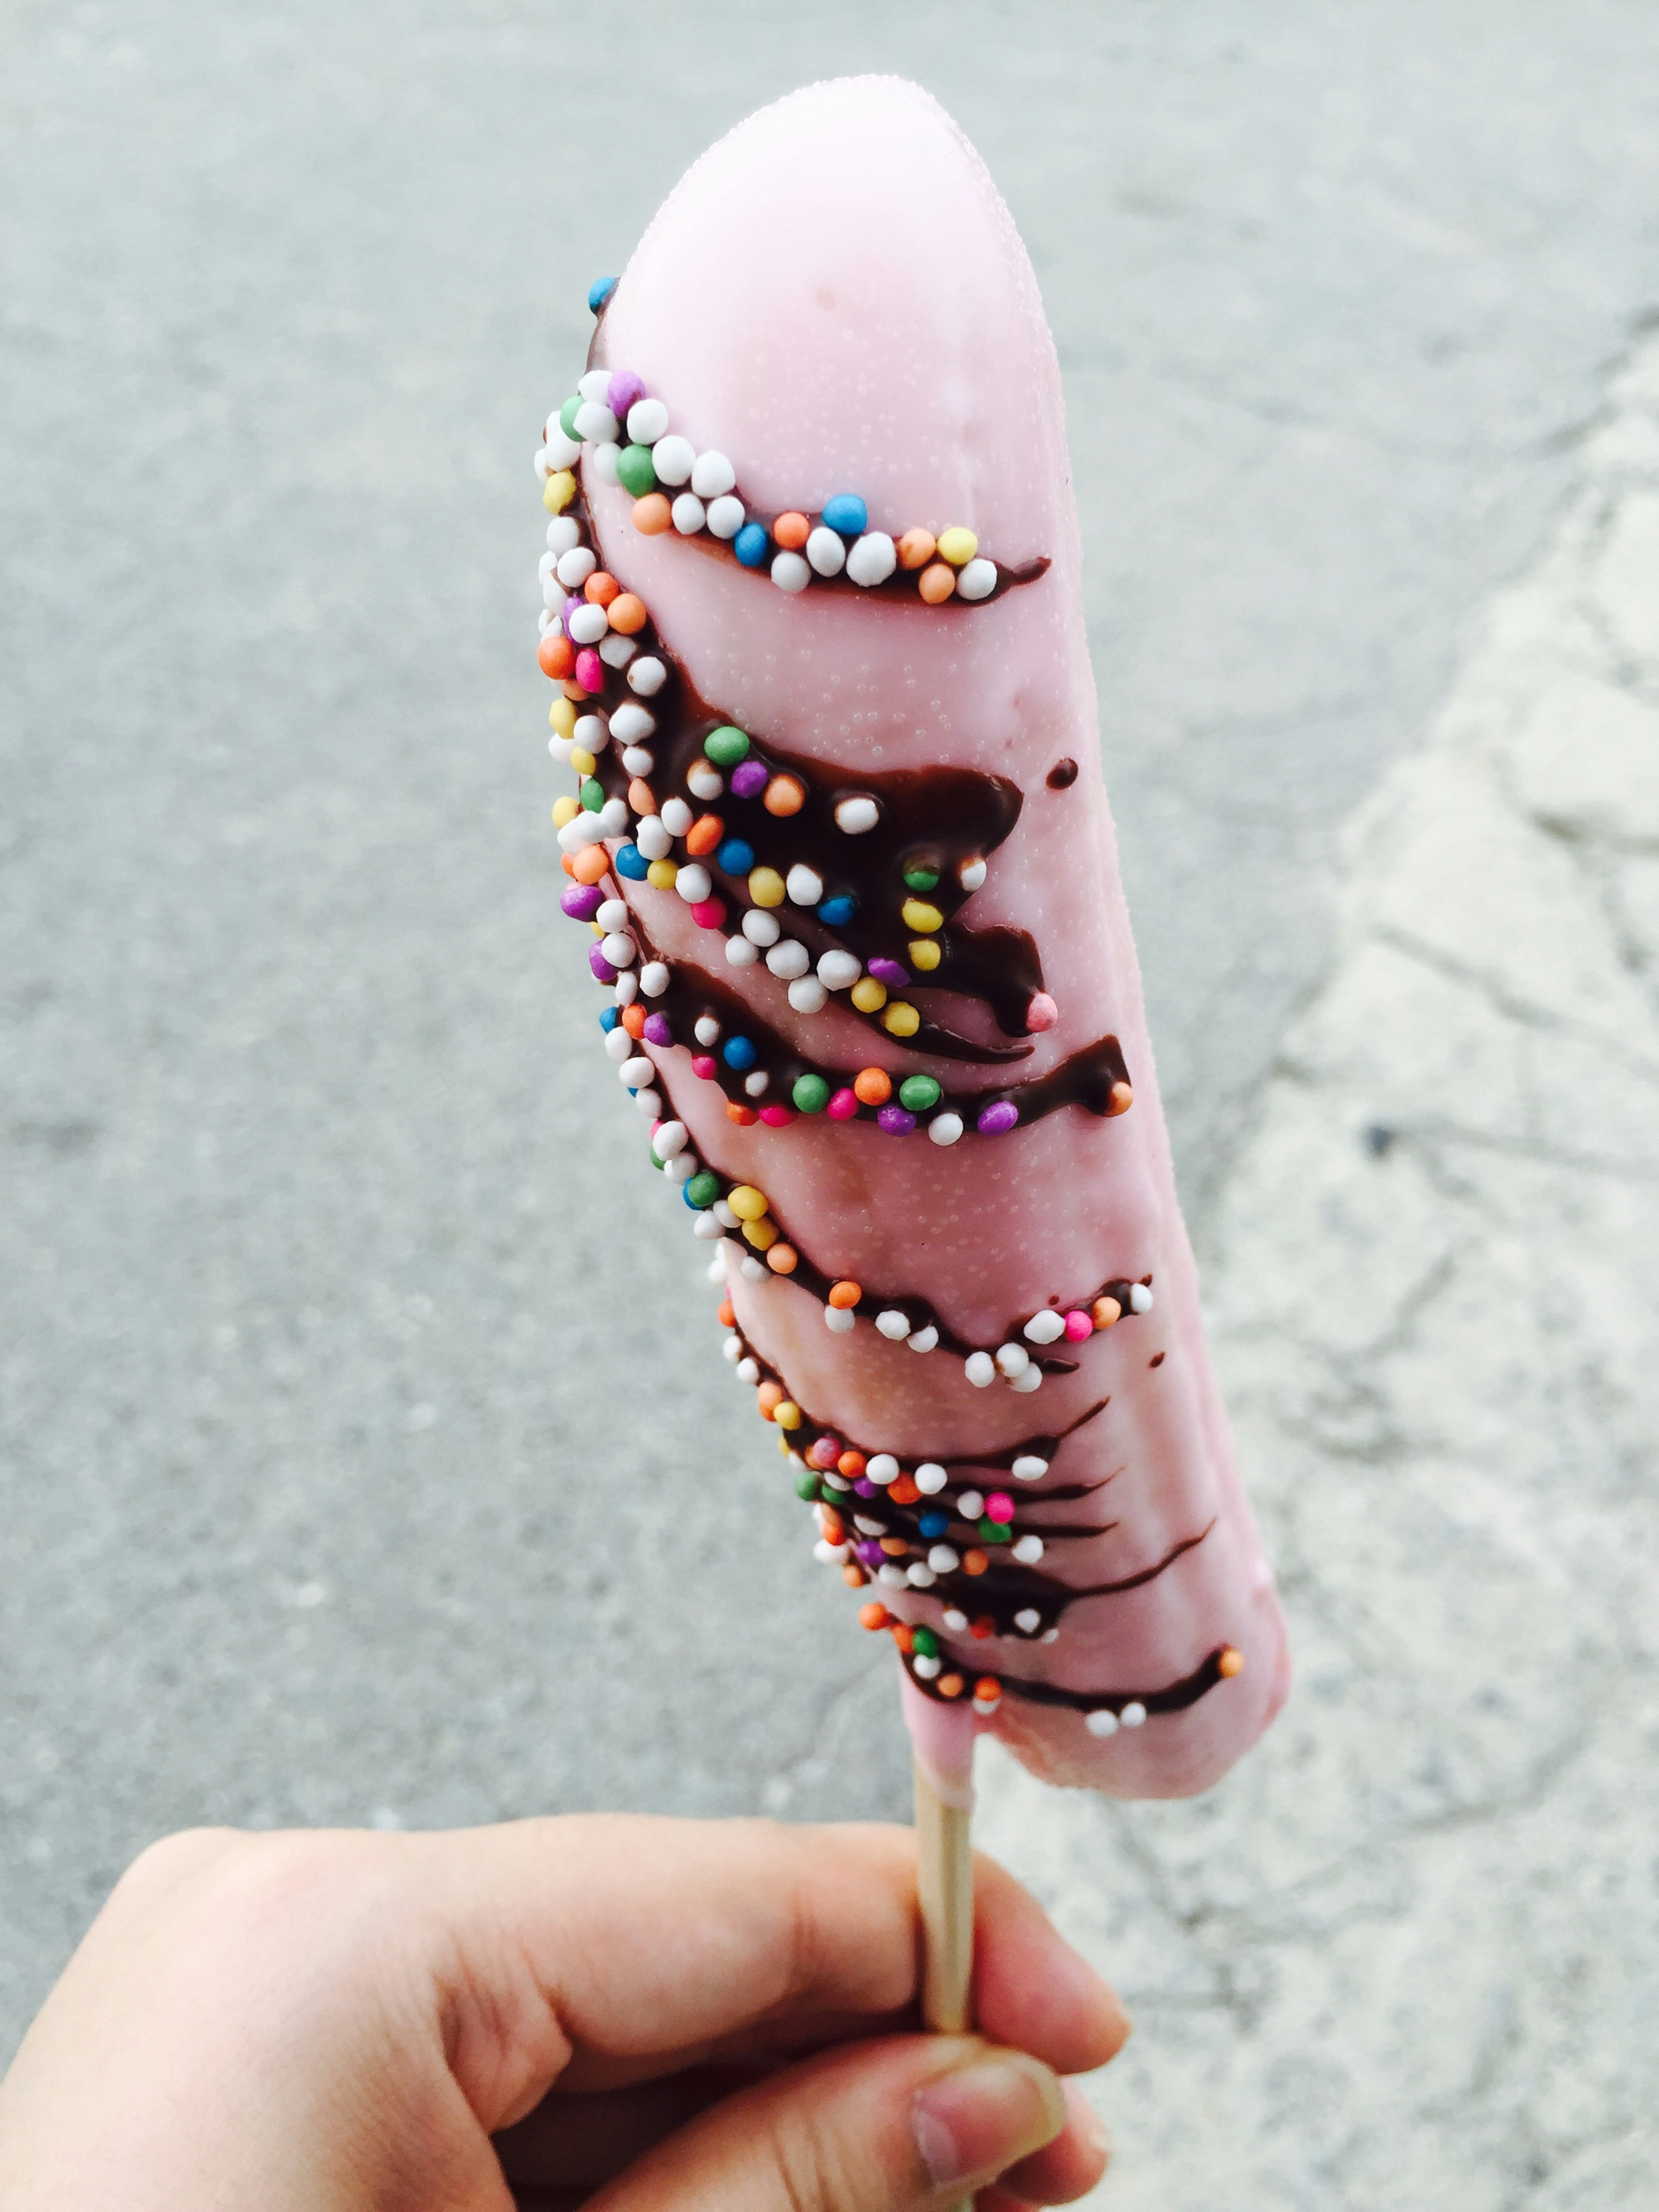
[806, 1485]
[918, 1092]
[924, 1643]
[811, 1094]
[567, 414]
[921, 879]
[593, 795]
[661, 1166]
[634, 470]
[727, 747]
[993, 1532]
[704, 1188]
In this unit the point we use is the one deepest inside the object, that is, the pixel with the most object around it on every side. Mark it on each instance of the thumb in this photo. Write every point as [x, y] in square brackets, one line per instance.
[869, 2127]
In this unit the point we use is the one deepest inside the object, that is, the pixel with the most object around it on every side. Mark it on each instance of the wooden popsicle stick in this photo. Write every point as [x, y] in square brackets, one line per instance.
[945, 1885]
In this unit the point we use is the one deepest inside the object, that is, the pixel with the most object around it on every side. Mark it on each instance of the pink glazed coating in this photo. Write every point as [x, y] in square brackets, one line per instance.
[836, 299]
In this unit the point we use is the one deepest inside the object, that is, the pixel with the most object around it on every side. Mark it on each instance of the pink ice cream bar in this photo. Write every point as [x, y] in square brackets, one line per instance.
[813, 614]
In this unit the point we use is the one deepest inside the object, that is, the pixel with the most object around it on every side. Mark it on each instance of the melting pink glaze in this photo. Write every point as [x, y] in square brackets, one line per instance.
[835, 297]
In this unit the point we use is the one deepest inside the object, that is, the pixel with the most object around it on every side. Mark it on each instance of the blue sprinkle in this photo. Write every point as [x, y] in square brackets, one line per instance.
[751, 544]
[685, 1194]
[739, 1052]
[847, 513]
[631, 863]
[609, 1019]
[599, 292]
[734, 858]
[835, 913]
[934, 1524]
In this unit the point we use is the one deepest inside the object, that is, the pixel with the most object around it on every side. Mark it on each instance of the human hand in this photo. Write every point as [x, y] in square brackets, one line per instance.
[643, 2015]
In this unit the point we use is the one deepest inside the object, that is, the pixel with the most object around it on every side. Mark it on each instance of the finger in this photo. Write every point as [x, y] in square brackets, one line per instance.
[873, 2127]
[1059, 2009]
[1069, 2166]
[582, 2141]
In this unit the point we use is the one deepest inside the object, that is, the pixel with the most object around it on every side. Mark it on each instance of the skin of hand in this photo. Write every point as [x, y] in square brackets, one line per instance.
[637, 2014]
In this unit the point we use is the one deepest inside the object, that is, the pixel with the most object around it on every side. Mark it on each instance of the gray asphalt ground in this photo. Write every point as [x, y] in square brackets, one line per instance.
[366, 1453]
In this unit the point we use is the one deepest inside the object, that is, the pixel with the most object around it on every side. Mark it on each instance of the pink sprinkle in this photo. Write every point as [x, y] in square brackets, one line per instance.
[843, 1106]
[824, 1453]
[1078, 1326]
[704, 1065]
[998, 1506]
[709, 913]
[623, 389]
[589, 674]
[1041, 1014]
[777, 1117]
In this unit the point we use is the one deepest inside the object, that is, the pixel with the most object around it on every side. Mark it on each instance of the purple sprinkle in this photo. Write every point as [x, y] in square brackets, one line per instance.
[748, 778]
[994, 1119]
[601, 967]
[896, 1120]
[656, 1031]
[623, 389]
[890, 972]
[872, 1554]
[582, 901]
[865, 1487]
[571, 605]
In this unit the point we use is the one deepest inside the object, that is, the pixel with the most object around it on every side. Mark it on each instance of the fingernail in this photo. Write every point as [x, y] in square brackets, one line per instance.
[982, 2119]
[1086, 2121]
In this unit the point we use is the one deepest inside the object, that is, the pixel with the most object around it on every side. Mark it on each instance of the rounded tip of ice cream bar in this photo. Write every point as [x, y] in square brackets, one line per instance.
[1043, 1014]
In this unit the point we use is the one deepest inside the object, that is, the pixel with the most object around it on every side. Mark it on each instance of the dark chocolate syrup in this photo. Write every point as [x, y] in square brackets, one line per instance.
[1173, 1698]
[1063, 774]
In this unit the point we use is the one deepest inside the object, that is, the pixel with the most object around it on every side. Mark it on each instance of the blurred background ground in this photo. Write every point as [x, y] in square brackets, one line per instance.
[330, 1489]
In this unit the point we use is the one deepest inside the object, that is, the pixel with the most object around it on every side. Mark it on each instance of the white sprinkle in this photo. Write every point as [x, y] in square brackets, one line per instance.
[712, 475]
[754, 1271]
[561, 534]
[590, 732]
[618, 1045]
[560, 749]
[687, 515]
[788, 959]
[682, 1170]
[586, 625]
[828, 1554]
[882, 1469]
[977, 580]
[838, 1320]
[1044, 1328]
[677, 817]
[804, 885]
[855, 815]
[704, 781]
[893, 1575]
[653, 978]
[954, 1620]
[1105, 1722]
[930, 1478]
[635, 1071]
[579, 832]
[943, 1559]
[790, 572]
[707, 1030]
[755, 1085]
[732, 1348]
[648, 1102]
[920, 1576]
[694, 883]
[723, 1213]
[924, 1339]
[873, 559]
[866, 1527]
[593, 384]
[705, 1225]
[970, 1503]
[836, 1481]
[748, 1371]
[672, 459]
[619, 949]
[653, 840]
[726, 517]
[577, 566]
[980, 1369]
[613, 817]
[630, 722]
[1014, 1359]
[1028, 1621]
[647, 421]
[893, 1323]
[605, 458]
[616, 650]
[1133, 1713]
[827, 551]
[595, 424]
[1030, 1380]
[740, 953]
[646, 675]
[612, 913]
[1140, 1299]
[925, 1667]
[626, 990]
[838, 970]
[1029, 1551]
[807, 995]
[1051, 1635]
[672, 1139]
[638, 760]
[944, 1128]
[1028, 1468]
[562, 453]
[761, 927]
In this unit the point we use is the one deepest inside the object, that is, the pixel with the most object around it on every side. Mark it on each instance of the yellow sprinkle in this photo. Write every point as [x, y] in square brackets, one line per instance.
[596, 931]
[786, 1415]
[746, 1202]
[562, 718]
[760, 1234]
[918, 914]
[560, 490]
[662, 875]
[565, 810]
[923, 952]
[957, 546]
[766, 887]
[901, 1019]
[867, 995]
[582, 761]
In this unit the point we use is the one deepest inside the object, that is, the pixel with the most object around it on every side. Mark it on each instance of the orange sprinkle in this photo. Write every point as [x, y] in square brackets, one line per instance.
[987, 1691]
[633, 1019]
[653, 515]
[1229, 1663]
[640, 797]
[974, 1563]
[850, 1464]
[834, 1528]
[916, 549]
[853, 1575]
[743, 1115]
[557, 654]
[949, 1686]
[895, 1546]
[601, 588]
[792, 530]
[903, 1635]
[704, 835]
[844, 1295]
[728, 1317]
[936, 583]
[769, 1395]
[591, 863]
[569, 864]
[1105, 1312]
[873, 1085]
[784, 796]
[874, 1616]
[903, 1491]
[627, 613]
[1120, 1099]
[982, 1627]
[783, 1259]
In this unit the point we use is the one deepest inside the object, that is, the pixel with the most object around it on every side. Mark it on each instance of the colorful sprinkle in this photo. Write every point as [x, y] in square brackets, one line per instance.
[994, 1119]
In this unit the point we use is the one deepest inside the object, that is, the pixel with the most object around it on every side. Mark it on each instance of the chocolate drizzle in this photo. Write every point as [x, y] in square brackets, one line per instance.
[1175, 1697]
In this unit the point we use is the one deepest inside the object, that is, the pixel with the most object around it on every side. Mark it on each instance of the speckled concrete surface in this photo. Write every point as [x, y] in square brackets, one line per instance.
[330, 1491]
